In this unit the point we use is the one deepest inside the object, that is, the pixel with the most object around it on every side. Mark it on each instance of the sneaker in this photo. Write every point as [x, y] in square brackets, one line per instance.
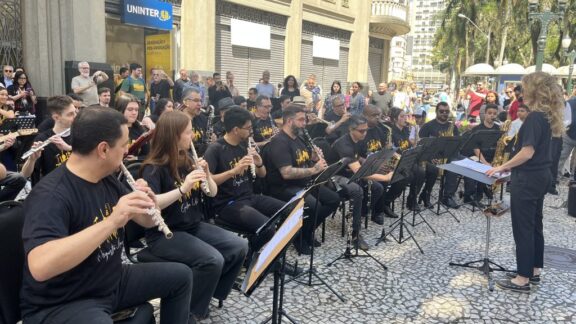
[507, 284]
[450, 203]
[388, 212]
[534, 280]
[378, 218]
[360, 243]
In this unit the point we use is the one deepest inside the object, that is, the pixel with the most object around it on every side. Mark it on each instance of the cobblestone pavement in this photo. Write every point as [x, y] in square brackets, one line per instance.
[422, 288]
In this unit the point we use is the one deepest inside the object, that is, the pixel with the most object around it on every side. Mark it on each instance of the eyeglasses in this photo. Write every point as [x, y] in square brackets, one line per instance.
[266, 106]
[190, 99]
[361, 131]
[248, 128]
[85, 68]
[22, 78]
[8, 71]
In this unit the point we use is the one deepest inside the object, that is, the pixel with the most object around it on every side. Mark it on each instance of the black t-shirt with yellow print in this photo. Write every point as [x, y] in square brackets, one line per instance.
[183, 214]
[376, 140]
[262, 129]
[400, 138]
[284, 151]
[52, 157]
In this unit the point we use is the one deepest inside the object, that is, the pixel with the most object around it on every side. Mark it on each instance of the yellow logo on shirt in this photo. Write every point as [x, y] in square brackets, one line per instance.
[373, 145]
[198, 133]
[302, 156]
[62, 157]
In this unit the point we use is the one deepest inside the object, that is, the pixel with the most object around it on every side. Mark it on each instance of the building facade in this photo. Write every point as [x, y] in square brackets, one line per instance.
[201, 38]
[424, 22]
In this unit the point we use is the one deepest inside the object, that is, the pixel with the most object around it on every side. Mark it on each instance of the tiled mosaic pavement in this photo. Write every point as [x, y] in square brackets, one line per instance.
[422, 288]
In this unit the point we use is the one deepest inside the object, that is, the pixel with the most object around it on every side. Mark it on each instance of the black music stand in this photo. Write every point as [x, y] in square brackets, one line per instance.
[321, 179]
[402, 171]
[272, 257]
[482, 140]
[14, 124]
[477, 173]
[441, 148]
[368, 168]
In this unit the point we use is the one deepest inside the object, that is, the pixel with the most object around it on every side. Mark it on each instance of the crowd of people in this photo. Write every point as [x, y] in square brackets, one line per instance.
[191, 143]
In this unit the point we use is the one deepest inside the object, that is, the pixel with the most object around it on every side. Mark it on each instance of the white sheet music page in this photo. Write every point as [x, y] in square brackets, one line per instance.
[478, 167]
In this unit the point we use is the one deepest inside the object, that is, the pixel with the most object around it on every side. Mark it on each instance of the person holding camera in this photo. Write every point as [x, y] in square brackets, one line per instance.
[86, 86]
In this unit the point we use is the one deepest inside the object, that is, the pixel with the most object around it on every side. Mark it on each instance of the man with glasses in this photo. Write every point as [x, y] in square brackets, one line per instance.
[7, 78]
[230, 161]
[262, 122]
[439, 127]
[161, 85]
[350, 146]
[476, 99]
[290, 167]
[85, 85]
[339, 119]
[192, 105]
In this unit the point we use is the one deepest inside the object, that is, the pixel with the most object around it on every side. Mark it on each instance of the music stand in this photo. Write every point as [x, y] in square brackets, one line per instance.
[321, 179]
[482, 140]
[402, 171]
[475, 170]
[368, 168]
[14, 124]
[440, 148]
[266, 259]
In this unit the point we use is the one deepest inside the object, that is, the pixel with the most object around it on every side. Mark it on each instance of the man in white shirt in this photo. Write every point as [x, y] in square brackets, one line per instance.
[85, 85]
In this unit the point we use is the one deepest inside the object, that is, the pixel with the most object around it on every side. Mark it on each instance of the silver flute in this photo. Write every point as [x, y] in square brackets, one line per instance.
[204, 185]
[252, 144]
[47, 142]
[153, 212]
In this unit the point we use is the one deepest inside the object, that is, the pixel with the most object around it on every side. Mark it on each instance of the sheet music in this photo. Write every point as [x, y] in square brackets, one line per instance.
[286, 228]
[478, 167]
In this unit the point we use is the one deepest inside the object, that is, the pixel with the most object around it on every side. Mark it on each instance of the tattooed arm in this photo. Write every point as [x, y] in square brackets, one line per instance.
[291, 173]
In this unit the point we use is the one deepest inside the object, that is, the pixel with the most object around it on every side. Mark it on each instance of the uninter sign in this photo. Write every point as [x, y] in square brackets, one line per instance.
[147, 13]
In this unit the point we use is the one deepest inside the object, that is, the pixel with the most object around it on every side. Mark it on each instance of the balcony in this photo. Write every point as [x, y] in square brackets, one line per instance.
[389, 17]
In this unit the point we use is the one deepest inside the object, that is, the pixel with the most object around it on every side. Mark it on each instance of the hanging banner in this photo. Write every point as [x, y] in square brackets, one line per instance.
[248, 34]
[159, 53]
[325, 48]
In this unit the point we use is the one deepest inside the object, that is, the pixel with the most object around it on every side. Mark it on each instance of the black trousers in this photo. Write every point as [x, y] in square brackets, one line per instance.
[249, 214]
[215, 256]
[527, 192]
[328, 201]
[11, 185]
[555, 152]
[450, 185]
[139, 283]
[355, 194]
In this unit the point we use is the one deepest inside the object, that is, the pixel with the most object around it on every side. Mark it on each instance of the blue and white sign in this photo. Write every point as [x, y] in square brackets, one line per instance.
[147, 13]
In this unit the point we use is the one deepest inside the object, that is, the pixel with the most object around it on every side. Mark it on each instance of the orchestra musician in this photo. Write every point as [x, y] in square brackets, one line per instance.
[290, 166]
[401, 141]
[378, 138]
[73, 270]
[214, 254]
[231, 163]
[439, 127]
[263, 124]
[339, 119]
[530, 167]
[63, 112]
[128, 105]
[192, 106]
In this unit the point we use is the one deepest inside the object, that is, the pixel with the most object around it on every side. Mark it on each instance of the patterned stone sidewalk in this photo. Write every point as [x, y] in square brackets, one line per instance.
[422, 288]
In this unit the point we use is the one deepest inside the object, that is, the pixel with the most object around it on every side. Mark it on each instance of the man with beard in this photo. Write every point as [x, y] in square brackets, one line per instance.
[85, 85]
[290, 167]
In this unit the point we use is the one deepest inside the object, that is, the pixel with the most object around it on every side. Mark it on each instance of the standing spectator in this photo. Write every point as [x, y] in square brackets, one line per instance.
[401, 98]
[163, 105]
[120, 77]
[335, 91]
[181, 84]
[220, 91]
[104, 97]
[510, 96]
[357, 101]
[382, 99]
[312, 93]
[518, 100]
[265, 88]
[195, 83]
[22, 93]
[7, 77]
[426, 100]
[491, 98]
[290, 87]
[160, 87]
[476, 99]
[135, 85]
[86, 86]
[251, 101]
[230, 83]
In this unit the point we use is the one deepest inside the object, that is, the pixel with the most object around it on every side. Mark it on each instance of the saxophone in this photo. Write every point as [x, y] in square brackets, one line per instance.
[391, 164]
[498, 208]
[447, 133]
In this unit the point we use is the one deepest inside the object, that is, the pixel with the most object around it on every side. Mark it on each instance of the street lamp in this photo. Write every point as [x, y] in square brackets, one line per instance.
[487, 35]
[571, 57]
[545, 18]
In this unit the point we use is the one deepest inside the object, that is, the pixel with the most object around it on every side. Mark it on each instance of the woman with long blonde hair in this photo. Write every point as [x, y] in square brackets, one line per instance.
[530, 167]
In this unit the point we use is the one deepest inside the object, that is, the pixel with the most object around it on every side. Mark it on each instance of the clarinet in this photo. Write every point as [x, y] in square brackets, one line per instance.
[275, 129]
[252, 144]
[204, 184]
[47, 142]
[153, 212]
[319, 153]
[209, 125]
